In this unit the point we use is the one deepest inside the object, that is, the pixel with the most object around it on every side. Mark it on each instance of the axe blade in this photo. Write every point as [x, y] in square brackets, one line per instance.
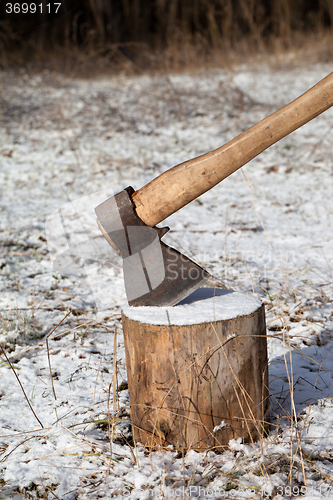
[155, 274]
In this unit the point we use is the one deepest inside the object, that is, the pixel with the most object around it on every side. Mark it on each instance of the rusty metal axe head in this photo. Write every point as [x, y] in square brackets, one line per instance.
[154, 273]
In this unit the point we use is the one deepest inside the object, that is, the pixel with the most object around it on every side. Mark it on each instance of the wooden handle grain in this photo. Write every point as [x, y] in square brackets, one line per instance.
[183, 183]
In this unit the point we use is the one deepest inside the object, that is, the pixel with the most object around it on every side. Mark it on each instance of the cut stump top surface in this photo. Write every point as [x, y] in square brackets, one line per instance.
[205, 305]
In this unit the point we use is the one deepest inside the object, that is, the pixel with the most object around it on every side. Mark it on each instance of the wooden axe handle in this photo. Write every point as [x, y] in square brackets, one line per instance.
[183, 183]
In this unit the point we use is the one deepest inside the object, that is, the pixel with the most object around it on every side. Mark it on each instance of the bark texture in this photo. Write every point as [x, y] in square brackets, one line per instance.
[198, 386]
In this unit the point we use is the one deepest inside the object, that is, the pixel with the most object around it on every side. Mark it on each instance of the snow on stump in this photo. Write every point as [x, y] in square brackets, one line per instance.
[197, 372]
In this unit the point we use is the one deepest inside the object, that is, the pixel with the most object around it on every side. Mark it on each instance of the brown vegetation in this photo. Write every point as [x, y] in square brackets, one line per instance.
[184, 31]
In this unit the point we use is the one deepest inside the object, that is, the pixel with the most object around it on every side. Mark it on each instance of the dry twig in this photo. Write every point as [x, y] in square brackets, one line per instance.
[26, 397]
[48, 351]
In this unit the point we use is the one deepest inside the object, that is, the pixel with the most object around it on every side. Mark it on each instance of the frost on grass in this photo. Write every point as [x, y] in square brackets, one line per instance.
[265, 230]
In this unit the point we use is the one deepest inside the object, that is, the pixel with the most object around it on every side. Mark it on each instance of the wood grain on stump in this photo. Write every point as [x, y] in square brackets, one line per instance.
[197, 372]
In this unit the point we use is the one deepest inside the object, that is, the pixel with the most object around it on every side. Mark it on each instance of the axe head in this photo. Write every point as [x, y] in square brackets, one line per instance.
[155, 274]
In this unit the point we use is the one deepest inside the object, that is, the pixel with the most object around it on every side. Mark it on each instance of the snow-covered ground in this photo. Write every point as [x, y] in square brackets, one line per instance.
[265, 230]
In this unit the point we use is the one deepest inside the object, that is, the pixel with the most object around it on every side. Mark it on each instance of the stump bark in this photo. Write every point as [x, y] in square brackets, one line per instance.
[197, 372]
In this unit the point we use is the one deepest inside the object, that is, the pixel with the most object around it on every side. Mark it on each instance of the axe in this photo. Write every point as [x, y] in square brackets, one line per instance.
[154, 273]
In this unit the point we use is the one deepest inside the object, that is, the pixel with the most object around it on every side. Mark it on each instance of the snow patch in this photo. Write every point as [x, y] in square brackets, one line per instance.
[205, 305]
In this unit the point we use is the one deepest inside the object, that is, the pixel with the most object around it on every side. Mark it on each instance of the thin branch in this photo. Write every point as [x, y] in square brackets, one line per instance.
[48, 351]
[114, 383]
[26, 397]
[99, 367]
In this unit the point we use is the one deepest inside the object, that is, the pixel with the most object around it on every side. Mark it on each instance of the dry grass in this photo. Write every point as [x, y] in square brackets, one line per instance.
[171, 36]
[297, 459]
[182, 54]
[255, 460]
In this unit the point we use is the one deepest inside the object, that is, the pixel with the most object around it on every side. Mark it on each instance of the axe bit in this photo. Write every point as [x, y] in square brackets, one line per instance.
[156, 274]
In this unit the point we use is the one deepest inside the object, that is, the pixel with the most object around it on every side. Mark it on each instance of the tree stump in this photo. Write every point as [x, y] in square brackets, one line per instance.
[197, 372]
